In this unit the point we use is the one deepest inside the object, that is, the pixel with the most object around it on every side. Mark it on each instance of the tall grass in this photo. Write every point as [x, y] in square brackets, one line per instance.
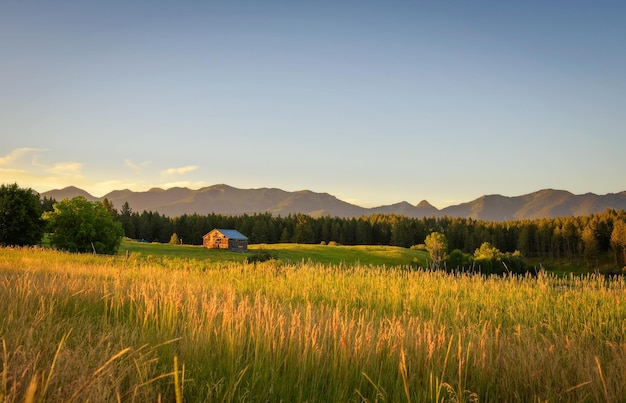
[83, 328]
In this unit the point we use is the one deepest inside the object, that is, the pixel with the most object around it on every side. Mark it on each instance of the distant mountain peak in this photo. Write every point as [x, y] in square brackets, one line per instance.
[68, 193]
[424, 204]
[73, 188]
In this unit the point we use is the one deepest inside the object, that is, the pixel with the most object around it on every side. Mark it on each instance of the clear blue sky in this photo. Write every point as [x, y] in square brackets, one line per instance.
[375, 102]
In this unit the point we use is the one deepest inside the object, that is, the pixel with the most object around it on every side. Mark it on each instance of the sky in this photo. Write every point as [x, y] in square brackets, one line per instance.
[374, 102]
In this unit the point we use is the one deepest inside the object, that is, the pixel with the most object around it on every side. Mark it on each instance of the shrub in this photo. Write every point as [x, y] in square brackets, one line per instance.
[78, 225]
[261, 256]
[457, 260]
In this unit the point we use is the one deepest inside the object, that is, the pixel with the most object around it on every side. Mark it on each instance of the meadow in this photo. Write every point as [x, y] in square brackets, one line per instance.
[287, 253]
[210, 327]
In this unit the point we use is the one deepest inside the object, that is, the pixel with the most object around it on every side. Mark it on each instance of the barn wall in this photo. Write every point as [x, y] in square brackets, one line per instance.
[238, 245]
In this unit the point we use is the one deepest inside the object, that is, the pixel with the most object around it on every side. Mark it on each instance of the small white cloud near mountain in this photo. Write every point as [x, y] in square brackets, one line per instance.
[66, 168]
[180, 171]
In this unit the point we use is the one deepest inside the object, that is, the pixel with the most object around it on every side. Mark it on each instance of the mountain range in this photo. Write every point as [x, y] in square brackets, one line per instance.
[228, 200]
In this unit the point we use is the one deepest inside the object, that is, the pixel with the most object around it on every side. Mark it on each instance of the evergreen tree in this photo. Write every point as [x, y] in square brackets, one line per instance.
[47, 204]
[285, 236]
[304, 229]
[618, 240]
[259, 232]
[125, 217]
[592, 248]
[401, 234]
[108, 205]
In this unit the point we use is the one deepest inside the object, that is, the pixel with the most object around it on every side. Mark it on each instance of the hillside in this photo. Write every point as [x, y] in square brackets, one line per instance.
[68, 193]
[224, 199]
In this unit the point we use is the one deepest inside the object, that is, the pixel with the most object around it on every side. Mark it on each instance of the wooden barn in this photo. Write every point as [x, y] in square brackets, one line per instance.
[230, 239]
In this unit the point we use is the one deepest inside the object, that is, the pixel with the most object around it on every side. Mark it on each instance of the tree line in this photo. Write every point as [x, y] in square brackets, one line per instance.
[571, 238]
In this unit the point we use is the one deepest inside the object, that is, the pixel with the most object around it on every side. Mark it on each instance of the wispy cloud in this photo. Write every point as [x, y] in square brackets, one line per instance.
[179, 171]
[11, 171]
[17, 154]
[137, 167]
[66, 168]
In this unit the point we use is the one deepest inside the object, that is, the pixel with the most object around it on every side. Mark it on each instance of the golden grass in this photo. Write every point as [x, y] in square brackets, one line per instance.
[82, 327]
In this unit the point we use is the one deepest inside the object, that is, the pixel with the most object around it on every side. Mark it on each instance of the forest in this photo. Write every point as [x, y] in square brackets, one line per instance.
[592, 238]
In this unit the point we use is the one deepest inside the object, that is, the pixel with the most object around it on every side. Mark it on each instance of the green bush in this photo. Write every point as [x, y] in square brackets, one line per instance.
[260, 256]
[78, 225]
[20, 216]
[458, 260]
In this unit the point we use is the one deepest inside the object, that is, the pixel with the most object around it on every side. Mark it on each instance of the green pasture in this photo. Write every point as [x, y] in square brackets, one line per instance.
[287, 253]
[346, 255]
[162, 250]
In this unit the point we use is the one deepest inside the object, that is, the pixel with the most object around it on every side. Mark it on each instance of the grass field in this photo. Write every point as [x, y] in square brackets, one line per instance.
[288, 253]
[157, 326]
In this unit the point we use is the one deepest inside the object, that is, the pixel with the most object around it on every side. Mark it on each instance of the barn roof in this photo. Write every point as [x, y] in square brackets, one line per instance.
[232, 233]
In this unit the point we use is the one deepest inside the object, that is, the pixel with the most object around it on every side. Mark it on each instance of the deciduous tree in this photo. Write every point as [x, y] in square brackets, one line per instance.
[458, 260]
[437, 246]
[20, 216]
[78, 225]
[487, 251]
